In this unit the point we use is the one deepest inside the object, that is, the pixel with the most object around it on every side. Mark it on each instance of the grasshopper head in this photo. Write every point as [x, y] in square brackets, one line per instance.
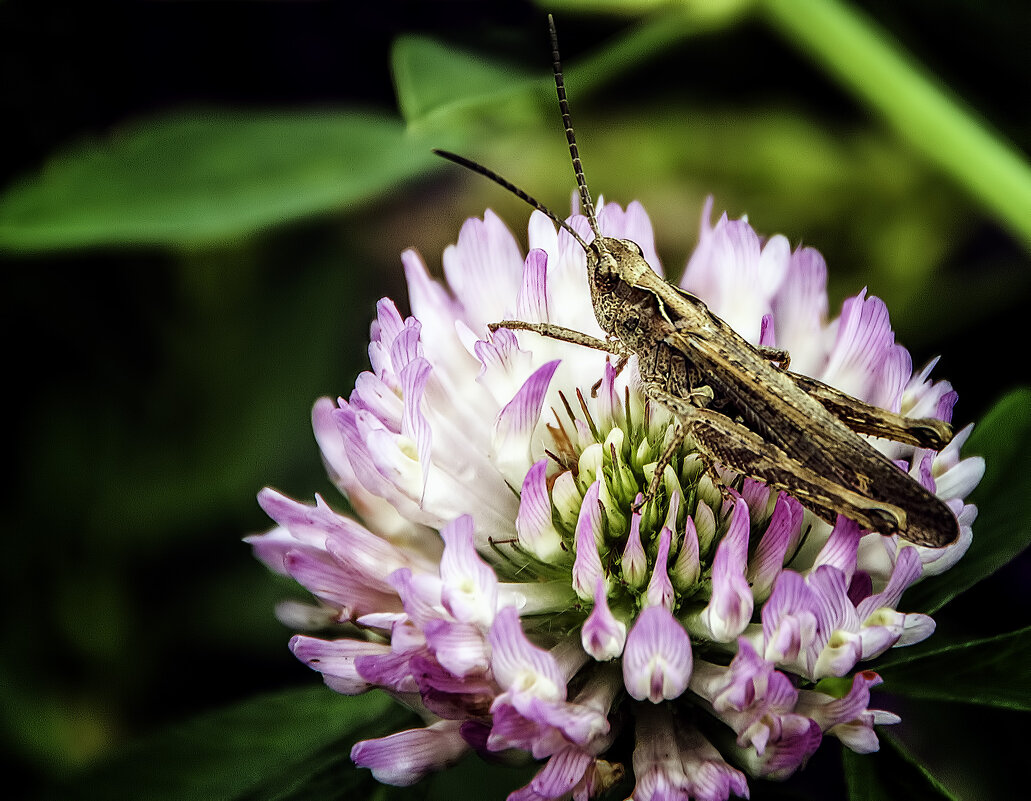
[613, 266]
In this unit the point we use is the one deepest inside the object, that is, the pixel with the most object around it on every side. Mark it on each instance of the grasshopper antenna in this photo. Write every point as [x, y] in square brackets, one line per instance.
[563, 104]
[469, 164]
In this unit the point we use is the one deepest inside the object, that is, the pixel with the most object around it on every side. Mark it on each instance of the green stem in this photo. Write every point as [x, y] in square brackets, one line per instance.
[864, 58]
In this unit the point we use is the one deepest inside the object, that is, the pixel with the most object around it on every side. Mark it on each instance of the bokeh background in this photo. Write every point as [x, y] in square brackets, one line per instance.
[202, 202]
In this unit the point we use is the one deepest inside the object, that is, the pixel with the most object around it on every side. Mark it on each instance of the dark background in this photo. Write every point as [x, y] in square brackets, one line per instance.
[155, 390]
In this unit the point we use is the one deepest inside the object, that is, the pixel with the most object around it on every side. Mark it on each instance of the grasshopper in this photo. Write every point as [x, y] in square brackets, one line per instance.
[739, 403]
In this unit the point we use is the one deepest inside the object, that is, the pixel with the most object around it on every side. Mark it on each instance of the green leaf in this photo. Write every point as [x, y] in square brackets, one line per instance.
[993, 671]
[435, 81]
[272, 747]
[195, 176]
[1003, 526]
[891, 773]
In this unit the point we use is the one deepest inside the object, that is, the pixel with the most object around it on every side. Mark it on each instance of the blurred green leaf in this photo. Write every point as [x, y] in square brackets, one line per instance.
[993, 671]
[194, 177]
[264, 748]
[442, 87]
[891, 773]
[847, 44]
[435, 81]
[472, 779]
[1003, 526]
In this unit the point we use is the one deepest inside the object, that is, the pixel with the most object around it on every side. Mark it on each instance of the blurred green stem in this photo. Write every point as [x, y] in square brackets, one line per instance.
[864, 58]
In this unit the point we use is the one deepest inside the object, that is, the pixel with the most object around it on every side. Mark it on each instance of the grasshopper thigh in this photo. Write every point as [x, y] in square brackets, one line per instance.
[734, 446]
[864, 418]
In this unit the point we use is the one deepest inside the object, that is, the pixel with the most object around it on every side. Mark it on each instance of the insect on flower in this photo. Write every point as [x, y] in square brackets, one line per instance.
[547, 566]
[739, 404]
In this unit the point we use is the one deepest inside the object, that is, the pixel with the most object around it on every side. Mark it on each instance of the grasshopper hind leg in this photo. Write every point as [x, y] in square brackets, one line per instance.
[721, 440]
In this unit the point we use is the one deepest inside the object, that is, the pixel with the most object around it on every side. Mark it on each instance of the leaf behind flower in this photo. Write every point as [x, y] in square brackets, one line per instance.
[291, 744]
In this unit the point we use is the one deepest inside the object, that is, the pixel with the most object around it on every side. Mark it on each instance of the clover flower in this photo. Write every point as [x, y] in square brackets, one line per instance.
[500, 582]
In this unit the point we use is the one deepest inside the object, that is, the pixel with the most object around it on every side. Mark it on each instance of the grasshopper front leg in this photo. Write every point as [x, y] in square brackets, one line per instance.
[563, 334]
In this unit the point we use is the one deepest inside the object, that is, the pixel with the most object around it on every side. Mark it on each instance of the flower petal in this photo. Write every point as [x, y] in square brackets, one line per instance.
[657, 658]
[402, 759]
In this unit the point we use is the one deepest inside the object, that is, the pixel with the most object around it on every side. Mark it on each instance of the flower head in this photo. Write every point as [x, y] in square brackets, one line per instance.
[503, 580]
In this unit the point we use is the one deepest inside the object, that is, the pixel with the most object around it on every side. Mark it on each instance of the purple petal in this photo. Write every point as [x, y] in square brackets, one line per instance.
[429, 301]
[864, 340]
[331, 444]
[402, 759]
[516, 423]
[657, 659]
[767, 332]
[860, 587]
[388, 322]
[414, 424]
[768, 559]
[406, 347]
[788, 618]
[660, 588]
[730, 607]
[757, 495]
[907, 570]
[842, 547]
[420, 595]
[609, 405]
[521, 414]
[943, 411]
[374, 395]
[602, 635]
[449, 696]
[335, 660]
[634, 564]
[518, 664]
[532, 303]
[558, 777]
[687, 567]
[829, 711]
[587, 569]
[534, 523]
[800, 310]
[459, 647]
[709, 777]
[891, 378]
[392, 671]
[799, 738]
[484, 269]
[470, 591]
[338, 584]
[358, 454]
[830, 593]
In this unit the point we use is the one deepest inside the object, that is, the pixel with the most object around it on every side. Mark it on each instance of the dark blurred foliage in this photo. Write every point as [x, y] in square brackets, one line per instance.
[156, 389]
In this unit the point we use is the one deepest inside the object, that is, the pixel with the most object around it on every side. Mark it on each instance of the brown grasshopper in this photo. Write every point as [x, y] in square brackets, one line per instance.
[738, 403]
